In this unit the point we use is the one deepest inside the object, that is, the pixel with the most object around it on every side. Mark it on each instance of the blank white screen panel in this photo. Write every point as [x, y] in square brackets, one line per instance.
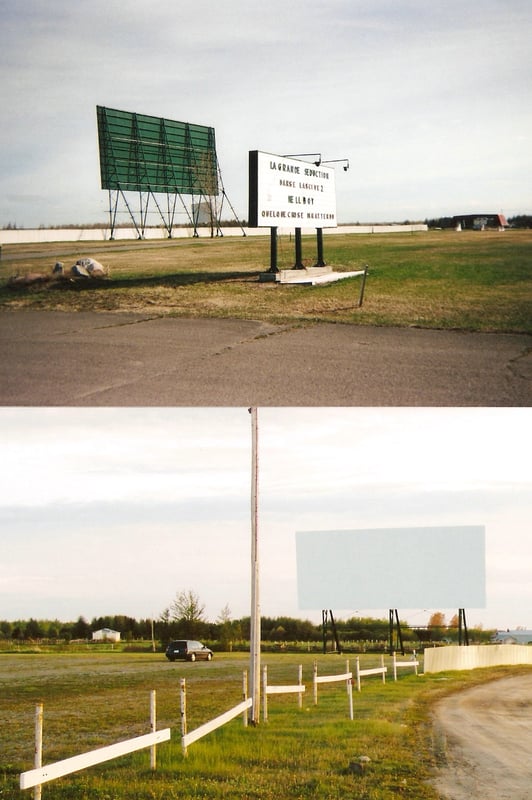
[430, 567]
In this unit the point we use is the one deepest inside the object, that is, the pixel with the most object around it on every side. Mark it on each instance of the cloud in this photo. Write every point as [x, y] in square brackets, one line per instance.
[422, 99]
[114, 510]
[431, 447]
[64, 455]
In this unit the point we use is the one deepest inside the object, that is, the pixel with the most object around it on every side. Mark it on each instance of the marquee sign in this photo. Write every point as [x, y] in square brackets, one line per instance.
[288, 192]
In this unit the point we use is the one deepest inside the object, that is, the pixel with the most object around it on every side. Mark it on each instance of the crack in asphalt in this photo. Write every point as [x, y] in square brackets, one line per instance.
[520, 366]
[218, 345]
[204, 357]
[129, 322]
[254, 338]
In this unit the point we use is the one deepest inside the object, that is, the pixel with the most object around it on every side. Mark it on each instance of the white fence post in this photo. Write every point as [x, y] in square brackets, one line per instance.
[359, 687]
[37, 761]
[245, 696]
[153, 727]
[315, 683]
[383, 669]
[265, 692]
[412, 663]
[349, 684]
[281, 689]
[183, 715]
[345, 676]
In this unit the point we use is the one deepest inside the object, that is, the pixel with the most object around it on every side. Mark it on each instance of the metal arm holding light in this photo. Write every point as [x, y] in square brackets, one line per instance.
[306, 155]
[319, 162]
[319, 232]
[336, 161]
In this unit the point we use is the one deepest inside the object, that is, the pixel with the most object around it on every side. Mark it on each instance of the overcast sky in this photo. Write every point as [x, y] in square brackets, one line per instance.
[113, 511]
[430, 102]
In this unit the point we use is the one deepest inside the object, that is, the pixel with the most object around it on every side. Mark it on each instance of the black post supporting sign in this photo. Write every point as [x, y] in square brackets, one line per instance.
[319, 241]
[273, 250]
[463, 635]
[325, 615]
[400, 645]
[299, 250]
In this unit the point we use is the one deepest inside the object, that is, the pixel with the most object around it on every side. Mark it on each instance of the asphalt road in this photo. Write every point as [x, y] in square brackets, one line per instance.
[125, 359]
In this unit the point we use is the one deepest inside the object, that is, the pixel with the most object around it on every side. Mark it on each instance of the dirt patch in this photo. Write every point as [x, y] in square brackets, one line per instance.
[483, 737]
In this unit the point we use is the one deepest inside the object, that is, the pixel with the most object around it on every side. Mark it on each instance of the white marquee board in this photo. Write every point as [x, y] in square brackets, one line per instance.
[289, 192]
[430, 567]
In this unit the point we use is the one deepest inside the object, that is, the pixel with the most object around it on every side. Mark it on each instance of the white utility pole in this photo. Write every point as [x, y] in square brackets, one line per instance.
[255, 637]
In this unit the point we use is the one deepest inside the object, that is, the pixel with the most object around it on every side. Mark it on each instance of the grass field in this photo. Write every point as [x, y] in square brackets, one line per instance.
[94, 700]
[479, 281]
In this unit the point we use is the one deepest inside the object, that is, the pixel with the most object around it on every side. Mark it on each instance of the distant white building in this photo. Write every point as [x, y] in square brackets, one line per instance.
[202, 213]
[106, 635]
[519, 636]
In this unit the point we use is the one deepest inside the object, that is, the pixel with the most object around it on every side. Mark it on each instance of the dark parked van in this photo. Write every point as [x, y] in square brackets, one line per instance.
[188, 650]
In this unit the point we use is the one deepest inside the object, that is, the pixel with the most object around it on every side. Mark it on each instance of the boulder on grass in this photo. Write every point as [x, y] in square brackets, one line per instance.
[88, 268]
[79, 271]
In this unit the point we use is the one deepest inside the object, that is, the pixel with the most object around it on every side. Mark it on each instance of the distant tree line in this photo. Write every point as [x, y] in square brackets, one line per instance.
[185, 619]
[519, 221]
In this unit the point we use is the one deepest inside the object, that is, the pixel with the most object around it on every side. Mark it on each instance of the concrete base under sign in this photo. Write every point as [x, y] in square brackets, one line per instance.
[309, 276]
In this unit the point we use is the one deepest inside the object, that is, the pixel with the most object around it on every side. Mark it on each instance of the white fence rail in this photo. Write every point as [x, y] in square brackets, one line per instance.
[361, 673]
[208, 727]
[347, 676]
[402, 664]
[43, 774]
[58, 769]
[268, 689]
[217, 722]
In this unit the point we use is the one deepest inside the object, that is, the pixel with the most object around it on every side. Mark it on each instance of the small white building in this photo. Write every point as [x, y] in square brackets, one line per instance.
[106, 635]
[519, 636]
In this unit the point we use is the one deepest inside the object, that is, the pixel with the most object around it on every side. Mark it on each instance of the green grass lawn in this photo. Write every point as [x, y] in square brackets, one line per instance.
[479, 281]
[93, 700]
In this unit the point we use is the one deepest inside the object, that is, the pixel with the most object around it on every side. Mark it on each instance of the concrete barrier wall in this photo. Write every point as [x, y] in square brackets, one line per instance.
[40, 235]
[442, 659]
